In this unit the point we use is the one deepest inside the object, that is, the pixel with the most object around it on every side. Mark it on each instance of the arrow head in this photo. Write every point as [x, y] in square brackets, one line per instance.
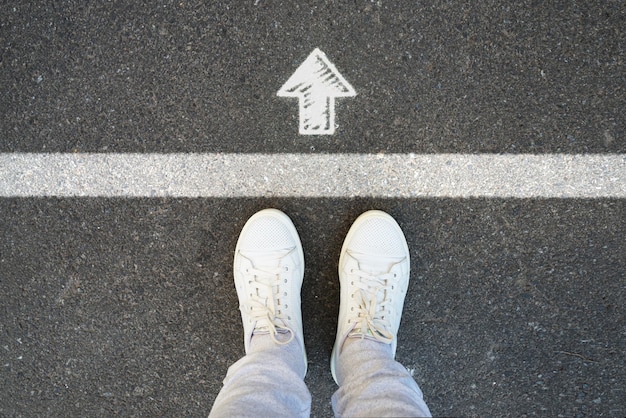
[318, 73]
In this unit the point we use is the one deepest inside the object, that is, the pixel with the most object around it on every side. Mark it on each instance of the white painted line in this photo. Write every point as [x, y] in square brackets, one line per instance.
[316, 83]
[314, 175]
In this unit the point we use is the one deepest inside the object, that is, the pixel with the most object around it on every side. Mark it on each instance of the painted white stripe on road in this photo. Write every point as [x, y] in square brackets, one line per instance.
[313, 175]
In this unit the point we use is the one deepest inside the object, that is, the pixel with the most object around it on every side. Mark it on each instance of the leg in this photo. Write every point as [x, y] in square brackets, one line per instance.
[374, 275]
[266, 382]
[372, 383]
[268, 270]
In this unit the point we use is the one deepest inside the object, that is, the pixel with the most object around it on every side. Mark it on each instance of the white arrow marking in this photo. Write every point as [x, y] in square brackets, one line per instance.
[316, 83]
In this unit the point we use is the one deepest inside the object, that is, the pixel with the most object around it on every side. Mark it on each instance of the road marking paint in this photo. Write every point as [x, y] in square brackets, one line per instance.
[314, 175]
[316, 83]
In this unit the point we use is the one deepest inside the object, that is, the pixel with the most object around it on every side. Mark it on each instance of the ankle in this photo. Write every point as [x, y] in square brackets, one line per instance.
[292, 353]
[360, 358]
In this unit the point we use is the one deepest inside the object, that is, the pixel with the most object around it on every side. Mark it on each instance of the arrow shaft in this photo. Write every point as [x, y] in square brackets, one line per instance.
[317, 113]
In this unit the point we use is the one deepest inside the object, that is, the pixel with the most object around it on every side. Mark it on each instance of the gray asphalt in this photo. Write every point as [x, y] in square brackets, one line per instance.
[125, 306]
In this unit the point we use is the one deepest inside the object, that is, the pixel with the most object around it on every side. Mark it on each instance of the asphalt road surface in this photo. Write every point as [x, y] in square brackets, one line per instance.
[125, 305]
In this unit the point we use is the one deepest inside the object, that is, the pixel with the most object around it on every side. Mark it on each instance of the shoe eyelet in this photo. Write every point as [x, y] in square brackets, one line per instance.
[285, 280]
[285, 294]
[286, 306]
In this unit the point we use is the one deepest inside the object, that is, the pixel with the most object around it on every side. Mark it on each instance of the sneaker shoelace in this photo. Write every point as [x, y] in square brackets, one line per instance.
[264, 304]
[371, 318]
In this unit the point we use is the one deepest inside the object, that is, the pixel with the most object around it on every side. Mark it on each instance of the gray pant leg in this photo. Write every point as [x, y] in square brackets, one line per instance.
[372, 383]
[268, 381]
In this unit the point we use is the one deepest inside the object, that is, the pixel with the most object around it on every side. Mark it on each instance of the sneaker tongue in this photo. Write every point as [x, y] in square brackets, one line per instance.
[261, 330]
[265, 330]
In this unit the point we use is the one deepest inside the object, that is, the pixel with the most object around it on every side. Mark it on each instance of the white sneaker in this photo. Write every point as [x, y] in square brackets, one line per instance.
[268, 270]
[374, 270]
